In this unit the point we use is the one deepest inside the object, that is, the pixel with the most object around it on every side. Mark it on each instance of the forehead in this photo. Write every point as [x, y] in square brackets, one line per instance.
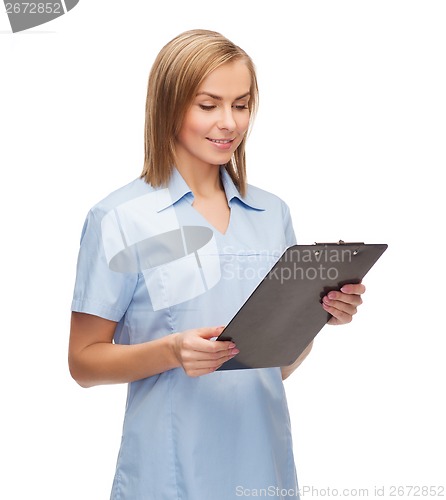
[229, 80]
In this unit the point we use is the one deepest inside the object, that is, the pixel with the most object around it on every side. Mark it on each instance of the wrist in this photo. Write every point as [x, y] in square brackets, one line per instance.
[172, 345]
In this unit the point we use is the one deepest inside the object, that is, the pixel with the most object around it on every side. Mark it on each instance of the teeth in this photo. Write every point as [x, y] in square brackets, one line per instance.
[221, 141]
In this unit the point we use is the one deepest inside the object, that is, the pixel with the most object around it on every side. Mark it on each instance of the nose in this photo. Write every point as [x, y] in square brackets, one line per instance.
[226, 119]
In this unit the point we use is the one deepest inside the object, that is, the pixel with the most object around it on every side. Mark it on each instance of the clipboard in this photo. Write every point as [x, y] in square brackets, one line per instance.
[284, 313]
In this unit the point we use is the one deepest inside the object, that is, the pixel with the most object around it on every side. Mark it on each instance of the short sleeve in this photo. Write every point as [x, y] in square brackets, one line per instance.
[98, 289]
[290, 237]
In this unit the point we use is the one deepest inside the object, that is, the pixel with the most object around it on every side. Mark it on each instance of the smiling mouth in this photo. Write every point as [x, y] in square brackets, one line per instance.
[220, 141]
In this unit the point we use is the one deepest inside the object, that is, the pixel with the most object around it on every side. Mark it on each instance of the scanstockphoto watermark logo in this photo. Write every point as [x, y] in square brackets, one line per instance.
[312, 264]
[25, 15]
[306, 264]
[376, 491]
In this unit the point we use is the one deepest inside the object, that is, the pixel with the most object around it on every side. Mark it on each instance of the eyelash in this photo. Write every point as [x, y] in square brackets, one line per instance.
[210, 108]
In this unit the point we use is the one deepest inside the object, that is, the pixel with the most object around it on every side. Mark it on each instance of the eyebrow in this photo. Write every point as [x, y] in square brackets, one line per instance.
[218, 98]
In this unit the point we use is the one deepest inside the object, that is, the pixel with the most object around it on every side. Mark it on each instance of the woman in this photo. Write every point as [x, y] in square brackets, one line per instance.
[166, 260]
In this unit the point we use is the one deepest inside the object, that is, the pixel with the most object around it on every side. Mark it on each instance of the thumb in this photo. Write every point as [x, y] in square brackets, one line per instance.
[209, 333]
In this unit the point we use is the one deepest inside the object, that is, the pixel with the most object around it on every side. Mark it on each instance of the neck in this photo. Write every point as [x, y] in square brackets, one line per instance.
[204, 181]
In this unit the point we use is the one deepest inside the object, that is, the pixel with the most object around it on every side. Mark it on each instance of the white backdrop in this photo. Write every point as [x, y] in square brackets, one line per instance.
[350, 132]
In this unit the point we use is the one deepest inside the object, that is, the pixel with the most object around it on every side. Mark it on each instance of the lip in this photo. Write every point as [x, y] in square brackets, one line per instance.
[224, 146]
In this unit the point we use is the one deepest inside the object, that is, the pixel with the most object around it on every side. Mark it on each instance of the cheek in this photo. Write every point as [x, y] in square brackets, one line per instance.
[243, 123]
[196, 125]
[190, 128]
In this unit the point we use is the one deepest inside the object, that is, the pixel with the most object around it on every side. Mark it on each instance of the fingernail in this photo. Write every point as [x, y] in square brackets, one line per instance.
[332, 295]
[326, 299]
[234, 352]
[231, 345]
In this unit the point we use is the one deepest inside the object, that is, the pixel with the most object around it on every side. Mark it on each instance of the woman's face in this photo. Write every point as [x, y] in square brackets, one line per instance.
[218, 118]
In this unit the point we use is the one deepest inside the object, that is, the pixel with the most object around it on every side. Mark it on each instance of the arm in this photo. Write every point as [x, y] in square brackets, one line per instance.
[288, 370]
[94, 359]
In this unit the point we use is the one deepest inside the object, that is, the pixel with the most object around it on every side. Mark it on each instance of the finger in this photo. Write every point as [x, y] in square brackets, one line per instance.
[199, 341]
[201, 367]
[216, 348]
[340, 306]
[203, 357]
[200, 372]
[209, 333]
[207, 364]
[353, 299]
[339, 317]
[335, 321]
[357, 289]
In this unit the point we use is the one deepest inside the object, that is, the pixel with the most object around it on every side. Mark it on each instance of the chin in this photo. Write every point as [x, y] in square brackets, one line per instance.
[219, 161]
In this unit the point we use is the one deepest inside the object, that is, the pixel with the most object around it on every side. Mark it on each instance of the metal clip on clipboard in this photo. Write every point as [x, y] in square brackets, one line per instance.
[340, 242]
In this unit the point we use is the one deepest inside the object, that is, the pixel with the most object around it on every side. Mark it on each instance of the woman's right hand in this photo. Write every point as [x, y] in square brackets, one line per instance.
[197, 354]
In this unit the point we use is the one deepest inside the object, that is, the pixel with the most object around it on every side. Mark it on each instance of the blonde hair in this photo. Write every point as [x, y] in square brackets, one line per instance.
[179, 69]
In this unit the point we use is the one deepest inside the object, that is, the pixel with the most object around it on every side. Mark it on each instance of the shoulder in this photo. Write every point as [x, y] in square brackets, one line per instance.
[134, 189]
[260, 198]
[275, 212]
[114, 213]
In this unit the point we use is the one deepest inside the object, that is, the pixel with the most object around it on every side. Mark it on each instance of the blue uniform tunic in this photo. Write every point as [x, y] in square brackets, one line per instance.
[151, 262]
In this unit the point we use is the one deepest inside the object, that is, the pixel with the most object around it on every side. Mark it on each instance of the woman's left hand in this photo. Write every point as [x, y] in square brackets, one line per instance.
[343, 305]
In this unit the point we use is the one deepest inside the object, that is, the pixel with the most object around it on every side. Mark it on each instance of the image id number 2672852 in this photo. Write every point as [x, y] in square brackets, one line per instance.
[34, 8]
[416, 491]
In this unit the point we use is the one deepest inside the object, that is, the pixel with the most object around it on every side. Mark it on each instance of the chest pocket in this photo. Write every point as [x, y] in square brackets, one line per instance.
[179, 265]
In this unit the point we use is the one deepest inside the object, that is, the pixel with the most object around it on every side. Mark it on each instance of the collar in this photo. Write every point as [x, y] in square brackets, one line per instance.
[178, 189]
[232, 192]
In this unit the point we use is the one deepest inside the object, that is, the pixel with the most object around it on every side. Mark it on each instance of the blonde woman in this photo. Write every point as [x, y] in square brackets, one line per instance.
[168, 259]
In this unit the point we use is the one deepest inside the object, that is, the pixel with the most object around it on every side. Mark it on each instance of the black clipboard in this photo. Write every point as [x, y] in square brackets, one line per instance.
[284, 313]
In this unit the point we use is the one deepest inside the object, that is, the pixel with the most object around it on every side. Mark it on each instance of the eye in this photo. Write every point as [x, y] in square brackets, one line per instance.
[206, 108]
[241, 107]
